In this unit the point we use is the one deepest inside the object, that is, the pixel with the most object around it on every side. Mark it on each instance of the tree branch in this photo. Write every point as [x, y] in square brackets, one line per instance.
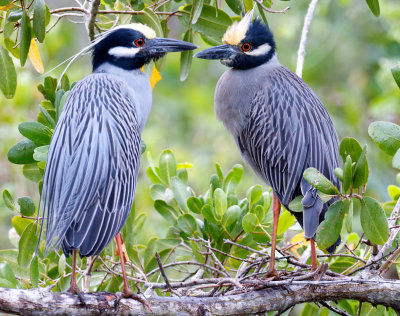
[277, 298]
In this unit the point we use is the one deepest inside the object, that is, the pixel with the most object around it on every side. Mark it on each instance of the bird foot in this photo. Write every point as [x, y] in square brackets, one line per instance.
[272, 275]
[128, 293]
[74, 289]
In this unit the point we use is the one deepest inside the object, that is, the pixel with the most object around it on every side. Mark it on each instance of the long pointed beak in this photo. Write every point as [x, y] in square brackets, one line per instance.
[166, 45]
[217, 52]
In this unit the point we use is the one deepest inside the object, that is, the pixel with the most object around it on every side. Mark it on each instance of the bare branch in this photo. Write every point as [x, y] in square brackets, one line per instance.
[94, 10]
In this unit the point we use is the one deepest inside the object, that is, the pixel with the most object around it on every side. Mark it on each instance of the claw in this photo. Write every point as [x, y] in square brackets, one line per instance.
[74, 289]
[128, 293]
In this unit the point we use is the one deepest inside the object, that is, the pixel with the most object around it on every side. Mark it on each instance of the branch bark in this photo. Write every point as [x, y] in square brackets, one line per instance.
[276, 298]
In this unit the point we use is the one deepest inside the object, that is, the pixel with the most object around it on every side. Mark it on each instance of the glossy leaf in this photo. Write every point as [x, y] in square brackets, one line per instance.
[22, 152]
[48, 119]
[181, 193]
[254, 194]
[211, 22]
[186, 56]
[187, 223]
[8, 75]
[361, 171]
[259, 211]
[319, 181]
[158, 191]
[6, 273]
[20, 223]
[9, 201]
[349, 218]
[39, 20]
[5, 2]
[34, 272]
[36, 132]
[396, 74]
[167, 165]
[232, 179]
[165, 211]
[150, 18]
[396, 160]
[194, 204]
[339, 173]
[347, 174]
[32, 172]
[196, 11]
[286, 220]
[235, 6]
[374, 7]
[26, 36]
[40, 153]
[296, 205]
[27, 245]
[350, 146]
[14, 16]
[386, 135]
[220, 202]
[329, 229]
[231, 215]
[26, 206]
[208, 214]
[373, 221]
[249, 222]
[34, 57]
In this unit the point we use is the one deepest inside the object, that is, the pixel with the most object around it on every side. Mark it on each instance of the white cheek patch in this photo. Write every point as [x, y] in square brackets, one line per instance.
[121, 51]
[262, 50]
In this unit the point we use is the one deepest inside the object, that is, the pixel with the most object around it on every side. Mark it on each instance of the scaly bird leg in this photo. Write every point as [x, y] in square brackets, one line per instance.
[127, 292]
[73, 288]
[314, 262]
[276, 208]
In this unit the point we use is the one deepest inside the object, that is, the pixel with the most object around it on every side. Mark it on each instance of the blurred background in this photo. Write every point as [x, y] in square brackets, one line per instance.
[348, 59]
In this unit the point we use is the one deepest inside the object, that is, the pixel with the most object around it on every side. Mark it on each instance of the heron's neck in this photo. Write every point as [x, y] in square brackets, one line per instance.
[139, 88]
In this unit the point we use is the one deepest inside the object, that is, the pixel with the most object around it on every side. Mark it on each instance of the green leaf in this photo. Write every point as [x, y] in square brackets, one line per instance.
[26, 205]
[183, 175]
[165, 211]
[194, 204]
[267, 201]
[139, 223]
[212, 22]
[396, 160]
[20, 223]
[329, 229]
[320, 182]
[32, 172]
[286, 220]
[249, 222]
[386, 135]
[39, 20]
[181, 193]
[232, 179]
[187, 56]
[6, 273]
[187, 223]
[254, 194]
[296, 205]
[34, 271]
[396, 74]
[9, 201]
[61, 265]
[394, 192]
[150, 18]
[361, 171]
[40, 153]
[373, 221]
[48, 89]
[22, 152]
[47, 118]
[26, 36]
[27, 245]
[235, 6]
[8, 75]
[259, 211]
[14, 16]
[167, 165]
[349, 218]
[232, 215]
[220, 202]
[339, 173]
[5, 2]
[158, 191]
[347, 174]
[350, 146]
[374, 7]
[36, 132]
[208, 214]
[196, 11]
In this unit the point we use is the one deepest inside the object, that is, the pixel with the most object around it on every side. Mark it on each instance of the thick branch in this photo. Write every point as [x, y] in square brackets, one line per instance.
[277, 298]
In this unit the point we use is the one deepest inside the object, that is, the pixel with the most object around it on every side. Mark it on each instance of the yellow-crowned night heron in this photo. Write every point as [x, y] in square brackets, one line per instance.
[277, 121]
[94, 155]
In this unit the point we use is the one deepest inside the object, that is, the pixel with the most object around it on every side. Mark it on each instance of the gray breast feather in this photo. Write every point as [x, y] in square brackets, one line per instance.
[286, 131]
[92, 166]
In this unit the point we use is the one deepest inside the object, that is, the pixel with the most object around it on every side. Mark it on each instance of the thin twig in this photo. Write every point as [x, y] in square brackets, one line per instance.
[163, 272]
[270, 10]
[303, 40]
[94, 10]
[334, 309]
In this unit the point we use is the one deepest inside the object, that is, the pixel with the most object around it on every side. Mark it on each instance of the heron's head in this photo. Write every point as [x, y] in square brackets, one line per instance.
[247, 44]
[132, 46]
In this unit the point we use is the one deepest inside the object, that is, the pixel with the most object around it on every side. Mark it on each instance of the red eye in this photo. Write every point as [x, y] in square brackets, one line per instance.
[246, 47]
[139, 42]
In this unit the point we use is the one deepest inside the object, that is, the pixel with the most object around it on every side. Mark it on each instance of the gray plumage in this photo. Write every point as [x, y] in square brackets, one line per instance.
[92, 165]
[281, 128]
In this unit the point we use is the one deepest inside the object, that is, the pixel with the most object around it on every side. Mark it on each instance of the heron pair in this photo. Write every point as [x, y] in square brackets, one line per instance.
[278, 123]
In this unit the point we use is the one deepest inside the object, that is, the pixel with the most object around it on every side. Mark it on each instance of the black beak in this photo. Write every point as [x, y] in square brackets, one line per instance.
[166, 45]
[217, 52]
